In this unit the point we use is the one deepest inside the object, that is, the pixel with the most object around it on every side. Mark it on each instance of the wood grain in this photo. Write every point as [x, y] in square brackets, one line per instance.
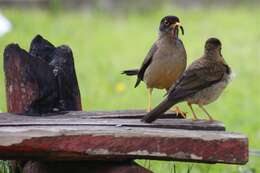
[127, 118]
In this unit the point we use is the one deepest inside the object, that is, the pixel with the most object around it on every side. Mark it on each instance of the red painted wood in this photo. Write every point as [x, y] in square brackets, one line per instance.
[117, 143]
[74, 147]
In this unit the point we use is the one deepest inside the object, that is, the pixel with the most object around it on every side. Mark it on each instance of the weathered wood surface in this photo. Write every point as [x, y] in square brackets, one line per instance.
[128, 118]
[65, 137]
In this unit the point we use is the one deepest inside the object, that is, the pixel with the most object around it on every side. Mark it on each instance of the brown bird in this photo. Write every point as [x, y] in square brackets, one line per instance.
[166, 60]
[202, 82]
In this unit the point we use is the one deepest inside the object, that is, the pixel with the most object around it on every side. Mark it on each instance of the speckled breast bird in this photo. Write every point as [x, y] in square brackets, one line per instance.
[202, 82]
[166, 60]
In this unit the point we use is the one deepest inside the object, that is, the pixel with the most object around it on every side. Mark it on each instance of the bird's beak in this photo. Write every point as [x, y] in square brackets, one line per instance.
[178, 24]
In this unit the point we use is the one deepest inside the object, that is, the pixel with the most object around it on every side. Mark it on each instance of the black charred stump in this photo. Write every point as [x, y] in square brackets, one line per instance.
[41, 81]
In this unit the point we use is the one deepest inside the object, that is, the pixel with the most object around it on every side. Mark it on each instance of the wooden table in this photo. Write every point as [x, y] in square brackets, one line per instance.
[118, 135]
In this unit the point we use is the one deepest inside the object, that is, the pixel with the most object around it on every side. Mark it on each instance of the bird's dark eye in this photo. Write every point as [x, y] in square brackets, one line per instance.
[166, 22]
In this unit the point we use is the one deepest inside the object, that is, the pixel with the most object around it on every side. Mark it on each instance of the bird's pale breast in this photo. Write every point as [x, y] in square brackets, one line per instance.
[210, 94]
[168, 64]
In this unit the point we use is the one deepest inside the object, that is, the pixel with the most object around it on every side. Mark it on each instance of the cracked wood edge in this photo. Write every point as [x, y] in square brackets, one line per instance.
[113, 143]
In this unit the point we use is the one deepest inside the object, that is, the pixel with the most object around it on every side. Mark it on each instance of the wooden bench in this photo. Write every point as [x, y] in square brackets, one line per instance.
[116, 136]
[59, 137]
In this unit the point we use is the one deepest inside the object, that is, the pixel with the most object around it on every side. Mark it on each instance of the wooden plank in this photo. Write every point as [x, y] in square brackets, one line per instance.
[79, 135]
[112, 118]
[128, 114]
[117, 143]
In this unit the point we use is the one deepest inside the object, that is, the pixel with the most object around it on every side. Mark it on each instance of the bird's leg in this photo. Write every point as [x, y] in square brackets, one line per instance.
[204, 110]
[193, 113]
[149, 106]
[178, 112]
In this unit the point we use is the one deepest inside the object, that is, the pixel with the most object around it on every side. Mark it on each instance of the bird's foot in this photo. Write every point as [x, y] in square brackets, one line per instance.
[211, 119]
[195, 119]
[148, 109]
[179, 112]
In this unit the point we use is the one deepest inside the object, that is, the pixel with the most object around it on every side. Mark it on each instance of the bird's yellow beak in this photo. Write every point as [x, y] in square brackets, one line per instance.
[178, 24]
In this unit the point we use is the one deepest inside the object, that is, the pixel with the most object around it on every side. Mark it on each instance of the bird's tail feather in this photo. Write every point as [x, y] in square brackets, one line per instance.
[158, 110]
[137, 82]
[130, 72]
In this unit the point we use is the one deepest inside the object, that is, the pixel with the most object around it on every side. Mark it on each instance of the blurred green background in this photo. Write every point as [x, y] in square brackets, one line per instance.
[107, 39]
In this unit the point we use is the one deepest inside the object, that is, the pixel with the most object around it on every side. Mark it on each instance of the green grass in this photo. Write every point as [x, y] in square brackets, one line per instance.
[5, 167]
[104, 44]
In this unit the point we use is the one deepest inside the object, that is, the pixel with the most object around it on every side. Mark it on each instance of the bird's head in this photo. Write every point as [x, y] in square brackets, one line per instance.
[171, 25]
[213, 45]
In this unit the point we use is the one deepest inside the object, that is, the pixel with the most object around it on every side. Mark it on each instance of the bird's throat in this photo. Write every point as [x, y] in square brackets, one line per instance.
[175, 33]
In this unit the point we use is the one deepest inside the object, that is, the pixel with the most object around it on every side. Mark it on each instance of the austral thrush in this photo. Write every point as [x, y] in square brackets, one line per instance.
[202, 82]
[166, 60]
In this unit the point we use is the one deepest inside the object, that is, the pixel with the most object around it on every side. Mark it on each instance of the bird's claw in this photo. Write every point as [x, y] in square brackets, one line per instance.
[179, 112]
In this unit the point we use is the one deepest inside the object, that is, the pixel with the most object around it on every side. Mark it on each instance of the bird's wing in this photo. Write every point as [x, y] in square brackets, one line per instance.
[200, 75]
[146, 63]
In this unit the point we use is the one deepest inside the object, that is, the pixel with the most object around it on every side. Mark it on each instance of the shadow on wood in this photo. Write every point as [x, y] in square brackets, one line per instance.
[83, 167]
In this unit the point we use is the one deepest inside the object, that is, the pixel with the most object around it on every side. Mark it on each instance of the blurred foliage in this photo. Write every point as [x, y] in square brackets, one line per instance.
[5, 167]
[55, 6]
[105, 43]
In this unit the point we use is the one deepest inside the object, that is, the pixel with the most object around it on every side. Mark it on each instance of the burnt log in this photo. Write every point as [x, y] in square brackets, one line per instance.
[41, 81]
